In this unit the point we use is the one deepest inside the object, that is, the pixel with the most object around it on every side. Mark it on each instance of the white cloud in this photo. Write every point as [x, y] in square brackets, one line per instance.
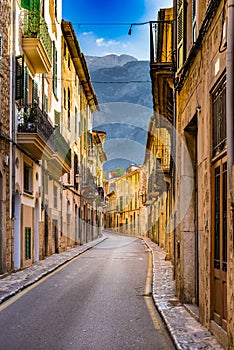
[102, 42]
[87, 33]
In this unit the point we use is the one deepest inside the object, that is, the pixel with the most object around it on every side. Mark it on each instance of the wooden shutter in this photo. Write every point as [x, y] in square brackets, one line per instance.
[26, 4]
[181, 43]
[36, 5]
[55, 85]
[35, 92]
[26, 87]
[56, 118]
[19, 77]
[32, 5]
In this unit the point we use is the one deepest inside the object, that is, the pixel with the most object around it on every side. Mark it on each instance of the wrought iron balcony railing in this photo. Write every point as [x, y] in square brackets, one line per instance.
[31, 119]
[34, 26]
[161, 48]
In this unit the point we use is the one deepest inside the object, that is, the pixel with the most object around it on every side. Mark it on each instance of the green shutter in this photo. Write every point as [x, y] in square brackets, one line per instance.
[56, 118]
[26, 4]
[32, 5]
[26, 87]
[55, 69]
[35, 92]
[36, 5]
[19, 77]
[181, 12]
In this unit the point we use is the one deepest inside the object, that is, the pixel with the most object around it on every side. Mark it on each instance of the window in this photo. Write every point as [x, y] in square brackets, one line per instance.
[56, 118]
[35, 95]
[64, 50]
[68, 108]
[55, 197]
[181, 44]
[69, 62]
[55, 69]
[27, 243]
[136, 200]
[19, 78]
[45, 106]
[76, 121]
[219, 117]
[27, 178]
[121, 203]
[64, 99]
[33, 5]
[26, 87]
[55, 8]
[194, 21]
[46, 183]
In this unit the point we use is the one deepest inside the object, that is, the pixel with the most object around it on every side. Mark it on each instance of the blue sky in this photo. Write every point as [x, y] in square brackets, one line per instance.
[99, 40]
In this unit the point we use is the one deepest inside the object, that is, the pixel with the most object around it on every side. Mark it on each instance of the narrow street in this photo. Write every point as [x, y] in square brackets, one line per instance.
[98, 301]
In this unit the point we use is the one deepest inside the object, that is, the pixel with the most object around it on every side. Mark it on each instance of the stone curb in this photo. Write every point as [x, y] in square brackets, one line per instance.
[186, 332]
[14, 283]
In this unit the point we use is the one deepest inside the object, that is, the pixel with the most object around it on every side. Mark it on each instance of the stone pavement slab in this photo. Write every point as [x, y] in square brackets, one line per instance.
[17, 281]
[186, 332]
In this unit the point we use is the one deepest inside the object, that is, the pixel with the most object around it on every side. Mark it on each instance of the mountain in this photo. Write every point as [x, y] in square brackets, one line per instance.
[120, 79]
[108, 61]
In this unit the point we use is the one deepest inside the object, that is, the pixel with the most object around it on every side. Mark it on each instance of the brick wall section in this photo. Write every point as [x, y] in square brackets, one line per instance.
[5, 134]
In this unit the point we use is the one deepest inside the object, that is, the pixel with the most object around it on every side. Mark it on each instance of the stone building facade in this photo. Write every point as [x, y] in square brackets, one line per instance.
[158, 155]
[125, 198]
[204, 265]
[202, 152]
[79, 104]
[5, 135]
[44, 136]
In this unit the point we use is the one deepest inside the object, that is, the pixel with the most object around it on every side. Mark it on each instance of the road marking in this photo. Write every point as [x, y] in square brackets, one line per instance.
[148, 295]
[19, 295]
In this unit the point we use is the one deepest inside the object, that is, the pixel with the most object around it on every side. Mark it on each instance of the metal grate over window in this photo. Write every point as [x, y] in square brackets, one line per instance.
[219, 118]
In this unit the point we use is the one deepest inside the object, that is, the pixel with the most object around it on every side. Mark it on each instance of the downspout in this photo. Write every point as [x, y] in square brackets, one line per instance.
[173, 182]
[12, 126]
[229, 102]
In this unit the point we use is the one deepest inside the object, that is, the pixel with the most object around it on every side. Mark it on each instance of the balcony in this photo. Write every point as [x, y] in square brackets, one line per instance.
[60, 162]
[162, 63]
[34, 132]
[36, 41]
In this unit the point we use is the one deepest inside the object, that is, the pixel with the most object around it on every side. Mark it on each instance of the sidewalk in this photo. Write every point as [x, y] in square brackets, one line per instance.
[186, 332]
[17, 281]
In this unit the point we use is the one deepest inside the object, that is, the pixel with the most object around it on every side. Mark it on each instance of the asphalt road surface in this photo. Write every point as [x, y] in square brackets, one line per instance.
[101, 301]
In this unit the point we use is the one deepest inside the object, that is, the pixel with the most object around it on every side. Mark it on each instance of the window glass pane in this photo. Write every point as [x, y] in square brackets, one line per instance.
[217, 220]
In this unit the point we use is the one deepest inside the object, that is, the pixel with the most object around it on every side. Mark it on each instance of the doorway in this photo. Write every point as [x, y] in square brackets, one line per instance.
[17, 233]
[219, 243]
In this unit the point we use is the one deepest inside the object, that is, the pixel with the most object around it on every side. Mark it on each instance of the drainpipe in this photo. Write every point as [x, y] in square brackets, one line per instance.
[12, 113]
[173, 180]
[12, 128]
[229, 101]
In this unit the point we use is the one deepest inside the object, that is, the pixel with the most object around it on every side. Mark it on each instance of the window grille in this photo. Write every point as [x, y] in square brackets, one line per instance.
[219, 118]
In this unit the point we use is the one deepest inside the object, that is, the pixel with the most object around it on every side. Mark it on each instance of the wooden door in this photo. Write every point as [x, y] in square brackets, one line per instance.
[219, 243]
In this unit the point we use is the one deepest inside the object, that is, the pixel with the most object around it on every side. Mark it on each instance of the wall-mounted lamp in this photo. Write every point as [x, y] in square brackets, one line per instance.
[130, 30]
